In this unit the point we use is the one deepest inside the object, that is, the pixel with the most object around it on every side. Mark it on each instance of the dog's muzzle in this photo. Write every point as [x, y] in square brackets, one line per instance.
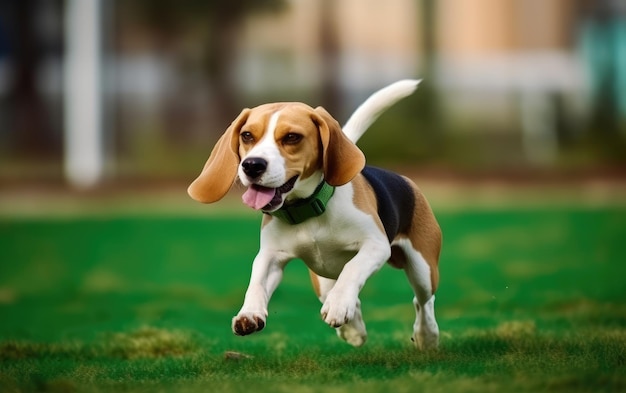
[254, 167]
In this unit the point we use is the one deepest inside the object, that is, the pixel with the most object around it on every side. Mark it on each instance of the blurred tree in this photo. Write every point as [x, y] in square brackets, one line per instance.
[220, 22]
[427, 102]
[331, 92]
[27, 115]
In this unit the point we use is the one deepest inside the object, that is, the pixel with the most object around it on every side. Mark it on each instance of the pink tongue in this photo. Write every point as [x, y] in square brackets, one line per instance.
[256, 197]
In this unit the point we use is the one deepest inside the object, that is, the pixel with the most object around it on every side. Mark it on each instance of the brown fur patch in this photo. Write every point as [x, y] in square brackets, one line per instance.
[365, 199]
[316, 283]
[425, 234]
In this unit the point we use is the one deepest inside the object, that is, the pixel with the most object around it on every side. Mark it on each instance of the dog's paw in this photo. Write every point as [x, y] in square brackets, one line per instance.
[426, 341]
[338, 312]
[248, 323]
[353, 332]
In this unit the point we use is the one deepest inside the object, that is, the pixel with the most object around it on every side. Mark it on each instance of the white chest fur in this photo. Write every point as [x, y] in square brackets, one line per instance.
[325, 243]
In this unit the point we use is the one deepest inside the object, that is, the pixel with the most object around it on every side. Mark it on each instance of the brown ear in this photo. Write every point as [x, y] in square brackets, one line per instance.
[220, 170]
[343, 160]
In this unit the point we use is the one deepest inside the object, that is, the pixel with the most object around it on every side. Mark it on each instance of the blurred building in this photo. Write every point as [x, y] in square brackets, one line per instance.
[373, 43]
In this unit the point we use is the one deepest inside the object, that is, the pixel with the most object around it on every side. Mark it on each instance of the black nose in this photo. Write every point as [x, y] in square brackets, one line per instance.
[254, 167]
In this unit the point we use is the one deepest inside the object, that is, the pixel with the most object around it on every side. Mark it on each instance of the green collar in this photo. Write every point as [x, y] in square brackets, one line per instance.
[303, 209]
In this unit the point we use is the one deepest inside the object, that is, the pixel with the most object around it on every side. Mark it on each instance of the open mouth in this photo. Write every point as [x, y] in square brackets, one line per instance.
[266, 198]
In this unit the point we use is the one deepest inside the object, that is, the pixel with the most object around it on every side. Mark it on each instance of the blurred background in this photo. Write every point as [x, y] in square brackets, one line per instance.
[97, 92]
[517, 135]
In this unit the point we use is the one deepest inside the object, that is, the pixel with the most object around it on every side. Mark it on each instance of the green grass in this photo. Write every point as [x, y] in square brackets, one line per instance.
[530, 300]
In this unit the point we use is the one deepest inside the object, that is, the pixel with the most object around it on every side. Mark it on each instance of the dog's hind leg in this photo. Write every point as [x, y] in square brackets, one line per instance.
[353, 332]
[425, 329]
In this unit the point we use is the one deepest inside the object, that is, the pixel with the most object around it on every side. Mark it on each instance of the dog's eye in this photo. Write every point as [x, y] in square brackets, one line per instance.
[247, 137]
[292, 138]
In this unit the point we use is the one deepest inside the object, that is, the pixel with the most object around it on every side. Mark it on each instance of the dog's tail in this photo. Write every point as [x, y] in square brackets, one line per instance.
[375, 105]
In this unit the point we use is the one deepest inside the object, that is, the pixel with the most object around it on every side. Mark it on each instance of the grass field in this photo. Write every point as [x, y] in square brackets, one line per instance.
[531, 299]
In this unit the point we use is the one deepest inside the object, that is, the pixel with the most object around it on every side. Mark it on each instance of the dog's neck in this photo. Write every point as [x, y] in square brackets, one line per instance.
[297, 210]
[304, 188]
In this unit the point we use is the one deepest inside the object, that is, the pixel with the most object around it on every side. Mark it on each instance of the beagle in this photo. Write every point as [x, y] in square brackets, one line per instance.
[322, 204]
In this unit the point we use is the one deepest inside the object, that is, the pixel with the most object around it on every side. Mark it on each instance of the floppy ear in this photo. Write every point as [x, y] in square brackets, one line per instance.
[343, 160]
[220, 170]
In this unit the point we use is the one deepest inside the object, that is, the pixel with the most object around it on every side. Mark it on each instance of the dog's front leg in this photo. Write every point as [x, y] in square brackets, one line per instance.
[267, 271]
[342, 301]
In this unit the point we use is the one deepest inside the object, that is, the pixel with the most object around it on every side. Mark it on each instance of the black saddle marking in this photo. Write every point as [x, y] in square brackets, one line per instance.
[395, 197]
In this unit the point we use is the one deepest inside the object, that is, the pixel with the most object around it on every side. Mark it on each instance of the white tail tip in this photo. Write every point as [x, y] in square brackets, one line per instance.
[375, 105]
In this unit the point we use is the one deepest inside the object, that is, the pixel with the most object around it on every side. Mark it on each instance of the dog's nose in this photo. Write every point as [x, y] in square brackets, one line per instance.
[254, 167]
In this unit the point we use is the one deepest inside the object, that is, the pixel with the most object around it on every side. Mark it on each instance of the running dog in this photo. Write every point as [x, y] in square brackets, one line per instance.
[322, 204]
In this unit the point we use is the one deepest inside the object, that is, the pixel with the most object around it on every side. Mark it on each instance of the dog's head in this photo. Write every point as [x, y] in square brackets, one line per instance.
[279, 151]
